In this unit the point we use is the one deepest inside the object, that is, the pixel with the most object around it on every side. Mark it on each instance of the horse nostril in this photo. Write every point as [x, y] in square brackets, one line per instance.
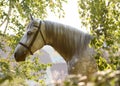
[19, 56]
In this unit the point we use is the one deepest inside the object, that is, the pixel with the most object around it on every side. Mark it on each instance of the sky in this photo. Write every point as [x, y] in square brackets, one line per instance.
[71, 15]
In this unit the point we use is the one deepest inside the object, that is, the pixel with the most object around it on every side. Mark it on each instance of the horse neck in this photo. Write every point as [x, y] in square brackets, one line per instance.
[65, 40]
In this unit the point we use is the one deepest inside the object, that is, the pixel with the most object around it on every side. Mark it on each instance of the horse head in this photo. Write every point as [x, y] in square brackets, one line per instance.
[31, 41]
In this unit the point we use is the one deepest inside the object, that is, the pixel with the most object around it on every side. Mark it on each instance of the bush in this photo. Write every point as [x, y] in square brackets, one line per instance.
[16, 74]
[101, 78]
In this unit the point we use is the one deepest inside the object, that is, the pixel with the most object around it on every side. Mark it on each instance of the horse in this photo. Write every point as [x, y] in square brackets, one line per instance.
[71, 43]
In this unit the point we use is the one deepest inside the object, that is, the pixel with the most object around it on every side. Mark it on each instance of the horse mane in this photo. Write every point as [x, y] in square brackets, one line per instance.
[66, 38]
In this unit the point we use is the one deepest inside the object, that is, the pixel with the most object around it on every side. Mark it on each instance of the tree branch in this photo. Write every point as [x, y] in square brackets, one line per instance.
[7, 18]
[3, 21]
[6, 25]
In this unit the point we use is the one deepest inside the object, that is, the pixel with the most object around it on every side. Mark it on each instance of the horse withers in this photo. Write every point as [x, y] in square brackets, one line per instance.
[71, 43]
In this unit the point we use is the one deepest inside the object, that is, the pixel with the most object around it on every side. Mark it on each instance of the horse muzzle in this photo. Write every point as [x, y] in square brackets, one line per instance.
[20, 56]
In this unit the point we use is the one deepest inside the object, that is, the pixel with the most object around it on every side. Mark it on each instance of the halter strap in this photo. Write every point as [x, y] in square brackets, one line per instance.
[33, 40]
[26, 47]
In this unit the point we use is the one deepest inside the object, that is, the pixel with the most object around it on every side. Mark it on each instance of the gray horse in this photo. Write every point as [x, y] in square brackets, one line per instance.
[70, 43]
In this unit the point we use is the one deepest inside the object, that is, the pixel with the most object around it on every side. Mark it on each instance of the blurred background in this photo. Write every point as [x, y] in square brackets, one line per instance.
[100, 18]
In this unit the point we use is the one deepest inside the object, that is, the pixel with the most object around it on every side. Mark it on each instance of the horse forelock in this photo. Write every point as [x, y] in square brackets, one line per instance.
[33, 22]
[65, 38]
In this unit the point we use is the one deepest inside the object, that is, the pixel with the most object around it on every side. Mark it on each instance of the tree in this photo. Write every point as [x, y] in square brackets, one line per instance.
[14, 14]
[103, 19]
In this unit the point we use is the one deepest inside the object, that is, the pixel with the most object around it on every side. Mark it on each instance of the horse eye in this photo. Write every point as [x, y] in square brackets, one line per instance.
[29, 33]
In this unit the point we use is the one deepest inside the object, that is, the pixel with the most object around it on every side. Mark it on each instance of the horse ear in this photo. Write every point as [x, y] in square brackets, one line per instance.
[31, 18]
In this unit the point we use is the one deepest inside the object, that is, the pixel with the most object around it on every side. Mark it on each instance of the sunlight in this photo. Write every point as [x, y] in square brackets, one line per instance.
[71, 16]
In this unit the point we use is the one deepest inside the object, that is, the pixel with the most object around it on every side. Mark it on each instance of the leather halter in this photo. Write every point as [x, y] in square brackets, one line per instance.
[33, 40]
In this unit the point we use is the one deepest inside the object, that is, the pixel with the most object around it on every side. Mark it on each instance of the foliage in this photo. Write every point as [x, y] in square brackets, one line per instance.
[101, 16]
[14, 17]
[101, 78]
[16, 74]
[28, 70]
[103, 19]
[14, 14]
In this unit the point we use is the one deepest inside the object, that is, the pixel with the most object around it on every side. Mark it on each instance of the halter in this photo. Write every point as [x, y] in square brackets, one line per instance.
[33, 40]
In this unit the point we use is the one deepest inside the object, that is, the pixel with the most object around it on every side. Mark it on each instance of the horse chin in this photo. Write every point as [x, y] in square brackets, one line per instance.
[19, 60]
